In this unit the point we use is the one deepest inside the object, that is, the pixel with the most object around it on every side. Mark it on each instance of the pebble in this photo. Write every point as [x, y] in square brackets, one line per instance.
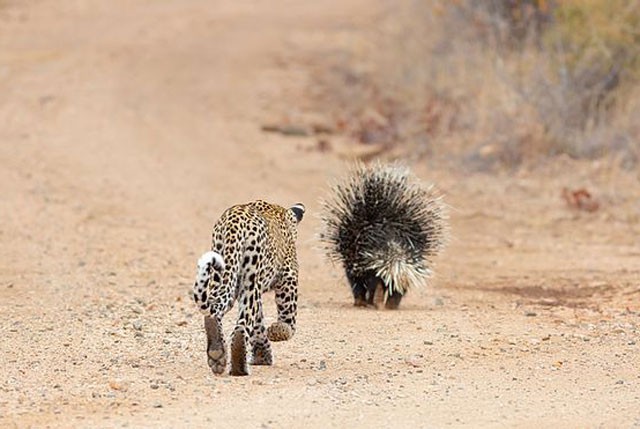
[137, 325]
[530, 313]
[414, 362]
[114, 385]
[312, 382]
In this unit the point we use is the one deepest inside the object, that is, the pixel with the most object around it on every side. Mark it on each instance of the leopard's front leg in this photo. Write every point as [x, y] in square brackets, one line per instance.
[287, 302]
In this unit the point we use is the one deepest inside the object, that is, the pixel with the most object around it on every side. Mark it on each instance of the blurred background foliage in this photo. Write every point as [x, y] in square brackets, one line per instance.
[494, 84]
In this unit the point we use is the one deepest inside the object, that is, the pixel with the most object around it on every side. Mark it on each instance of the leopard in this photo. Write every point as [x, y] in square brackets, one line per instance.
[253, 251]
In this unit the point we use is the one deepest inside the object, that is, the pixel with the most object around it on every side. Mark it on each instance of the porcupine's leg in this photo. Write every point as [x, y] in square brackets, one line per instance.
[393, 301]
[261, 347]
[375, 290]
[359, 291]
[287, 302]
[378, 295]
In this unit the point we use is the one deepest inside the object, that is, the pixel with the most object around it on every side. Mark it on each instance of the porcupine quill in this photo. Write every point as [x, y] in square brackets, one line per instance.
[385, 227]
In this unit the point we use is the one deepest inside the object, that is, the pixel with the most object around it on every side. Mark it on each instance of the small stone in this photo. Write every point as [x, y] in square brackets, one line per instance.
[114, 385]
[437, 301]
[427, 343]
[154, 386]
[157, 405]
[413, 362]
[620, 382]
[322, 365]
[137, 325]
[312, 382]
[530, 313]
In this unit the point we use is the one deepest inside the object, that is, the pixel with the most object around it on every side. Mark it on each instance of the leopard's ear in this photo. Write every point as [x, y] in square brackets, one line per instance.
[298, 211]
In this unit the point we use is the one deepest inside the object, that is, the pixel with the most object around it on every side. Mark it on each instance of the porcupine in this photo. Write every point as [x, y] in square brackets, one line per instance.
[385, 227]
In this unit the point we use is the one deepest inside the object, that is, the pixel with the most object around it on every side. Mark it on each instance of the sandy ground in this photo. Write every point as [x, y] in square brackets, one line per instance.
[127, 126]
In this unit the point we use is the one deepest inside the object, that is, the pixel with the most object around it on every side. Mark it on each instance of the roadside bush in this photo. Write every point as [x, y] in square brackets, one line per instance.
[497, 83]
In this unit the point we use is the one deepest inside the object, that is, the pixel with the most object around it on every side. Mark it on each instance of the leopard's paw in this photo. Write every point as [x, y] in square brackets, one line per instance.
[262, 355]
[279, 331]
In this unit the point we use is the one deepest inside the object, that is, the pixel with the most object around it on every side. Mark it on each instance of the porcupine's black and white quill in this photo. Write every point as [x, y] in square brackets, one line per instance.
[385, 227]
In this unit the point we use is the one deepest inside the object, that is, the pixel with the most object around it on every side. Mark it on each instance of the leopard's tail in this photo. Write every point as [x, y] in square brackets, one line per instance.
[208, 262]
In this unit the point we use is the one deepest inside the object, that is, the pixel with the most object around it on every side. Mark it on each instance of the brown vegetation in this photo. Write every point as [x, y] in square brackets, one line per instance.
[494, 84]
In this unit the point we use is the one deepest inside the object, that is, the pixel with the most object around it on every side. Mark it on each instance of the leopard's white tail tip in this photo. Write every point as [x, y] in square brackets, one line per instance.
[206, 264]
[210, 258]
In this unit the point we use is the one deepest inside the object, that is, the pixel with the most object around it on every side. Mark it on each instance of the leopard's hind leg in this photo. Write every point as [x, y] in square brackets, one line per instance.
[248, 297]
[216, 349]
[222, 302]
[261, 346]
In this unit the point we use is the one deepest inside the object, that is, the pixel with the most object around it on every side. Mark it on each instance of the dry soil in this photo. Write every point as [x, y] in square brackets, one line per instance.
[126, 128]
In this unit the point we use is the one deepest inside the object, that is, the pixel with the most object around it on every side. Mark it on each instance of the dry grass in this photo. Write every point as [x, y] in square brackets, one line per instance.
[494, 84]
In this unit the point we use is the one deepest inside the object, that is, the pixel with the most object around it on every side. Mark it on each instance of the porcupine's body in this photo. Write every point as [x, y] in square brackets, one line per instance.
[385, 227]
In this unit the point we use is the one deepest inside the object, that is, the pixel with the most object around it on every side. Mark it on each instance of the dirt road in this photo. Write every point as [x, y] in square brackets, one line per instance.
[126, 127]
